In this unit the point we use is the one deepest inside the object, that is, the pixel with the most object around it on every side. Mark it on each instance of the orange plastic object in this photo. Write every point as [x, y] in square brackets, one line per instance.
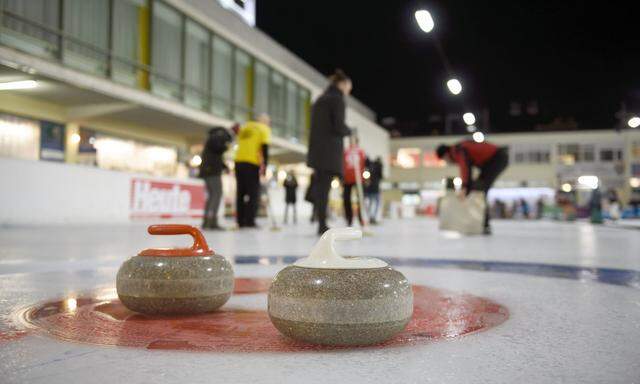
[199, 247]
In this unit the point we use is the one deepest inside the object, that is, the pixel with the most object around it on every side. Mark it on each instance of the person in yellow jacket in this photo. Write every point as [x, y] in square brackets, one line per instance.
[252, 156]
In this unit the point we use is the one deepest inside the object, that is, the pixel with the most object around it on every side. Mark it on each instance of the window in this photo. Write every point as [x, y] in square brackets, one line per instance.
[28, 36]
[277, 103]
[569, 153]
[527, 153]
[242, 86]
[588, 153]
[261, 88]
[166, 51]
[291, 110]
[196, 60]
[128, 48]
[221, 79]
[86, 24]
[610, 155]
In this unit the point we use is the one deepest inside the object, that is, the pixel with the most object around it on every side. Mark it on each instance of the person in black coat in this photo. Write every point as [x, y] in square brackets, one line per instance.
[290, 198]
[211, 170]
[326, 141]
[372, 189]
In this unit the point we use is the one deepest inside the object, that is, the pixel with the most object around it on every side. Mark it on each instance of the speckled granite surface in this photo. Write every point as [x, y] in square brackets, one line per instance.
[175, 285]
[340, 306]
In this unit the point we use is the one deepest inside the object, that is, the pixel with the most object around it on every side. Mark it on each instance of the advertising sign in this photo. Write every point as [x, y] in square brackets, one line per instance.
[166, 199]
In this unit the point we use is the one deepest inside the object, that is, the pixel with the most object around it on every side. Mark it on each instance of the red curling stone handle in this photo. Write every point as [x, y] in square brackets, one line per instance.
[199, 247]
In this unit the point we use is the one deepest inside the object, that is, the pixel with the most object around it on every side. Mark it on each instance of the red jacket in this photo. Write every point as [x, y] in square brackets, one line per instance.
[469, 153]
[352, 156]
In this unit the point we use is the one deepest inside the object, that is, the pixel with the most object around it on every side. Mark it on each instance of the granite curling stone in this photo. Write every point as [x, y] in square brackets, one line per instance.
[175, 280]
[330, 300]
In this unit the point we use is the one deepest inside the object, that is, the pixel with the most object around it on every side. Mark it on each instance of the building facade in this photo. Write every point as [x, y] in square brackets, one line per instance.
[551, 161]
[134, 85]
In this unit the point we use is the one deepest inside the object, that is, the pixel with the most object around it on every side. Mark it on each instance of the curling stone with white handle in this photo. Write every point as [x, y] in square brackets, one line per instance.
[331, 300]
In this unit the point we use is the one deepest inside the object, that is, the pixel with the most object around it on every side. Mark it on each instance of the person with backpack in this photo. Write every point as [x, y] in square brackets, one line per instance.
[211, 168]
[490, 159]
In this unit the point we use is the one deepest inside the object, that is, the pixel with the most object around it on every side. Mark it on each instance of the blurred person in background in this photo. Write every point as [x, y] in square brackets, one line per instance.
[490, 159]
[326, 141]
[372, 190]
[211, 169]
[290, 198]
[540, 208]
[354, 161]
[309, 197]
[252, 157]
[614, 204]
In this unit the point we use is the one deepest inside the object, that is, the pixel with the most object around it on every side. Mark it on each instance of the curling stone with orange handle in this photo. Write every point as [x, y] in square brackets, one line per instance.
[175, 280]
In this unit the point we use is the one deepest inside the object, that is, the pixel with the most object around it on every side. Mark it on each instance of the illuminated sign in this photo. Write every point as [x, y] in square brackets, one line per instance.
[165, 199]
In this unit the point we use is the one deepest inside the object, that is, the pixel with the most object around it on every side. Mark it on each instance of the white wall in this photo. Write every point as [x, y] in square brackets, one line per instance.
[40, 192]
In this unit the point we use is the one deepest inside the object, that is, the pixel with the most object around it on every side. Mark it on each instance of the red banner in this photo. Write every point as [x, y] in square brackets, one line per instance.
[166, 199]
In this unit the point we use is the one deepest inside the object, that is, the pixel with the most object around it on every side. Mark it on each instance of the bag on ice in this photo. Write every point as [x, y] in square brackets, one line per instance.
[465, 216]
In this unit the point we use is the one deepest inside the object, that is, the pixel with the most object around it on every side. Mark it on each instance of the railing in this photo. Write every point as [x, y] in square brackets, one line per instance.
[140, 69]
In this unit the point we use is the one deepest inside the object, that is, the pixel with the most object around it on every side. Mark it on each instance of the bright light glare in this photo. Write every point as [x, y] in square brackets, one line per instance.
[23, 84]
[195, 161]
[634, 122]
[455, 86]
[566, 187]
[588, 181]
[366, 175]
[75, 138]
[335, 184]
[478, 137]
[71, 304]
[425, 21]
[634, 182]
[469, 118]
[457, 182]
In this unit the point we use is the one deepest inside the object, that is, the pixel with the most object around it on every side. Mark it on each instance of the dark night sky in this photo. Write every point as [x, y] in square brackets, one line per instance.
[575, 59]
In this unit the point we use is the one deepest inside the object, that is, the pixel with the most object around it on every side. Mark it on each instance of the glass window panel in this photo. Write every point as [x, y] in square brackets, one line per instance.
[291, 109]
[86, 25]
[277, 103]
[242, 86]
[197, 65]
[166, 51]
[261, 89]
[221, 86]
[126, 40]
[29, 35]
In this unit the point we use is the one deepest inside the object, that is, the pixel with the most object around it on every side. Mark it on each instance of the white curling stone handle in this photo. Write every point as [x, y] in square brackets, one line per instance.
[324, 254]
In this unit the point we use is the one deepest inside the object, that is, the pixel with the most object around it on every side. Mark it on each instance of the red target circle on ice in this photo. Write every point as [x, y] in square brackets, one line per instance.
[437, 315]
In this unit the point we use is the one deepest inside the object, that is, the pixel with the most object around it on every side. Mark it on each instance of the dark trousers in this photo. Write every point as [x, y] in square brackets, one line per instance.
[214, 195]
[286, 212]
[348, 209]
[489, 172]
[247, 193]
[322, 187]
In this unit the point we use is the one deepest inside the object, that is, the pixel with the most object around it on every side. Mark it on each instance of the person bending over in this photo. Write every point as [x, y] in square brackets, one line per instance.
[490, 159]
